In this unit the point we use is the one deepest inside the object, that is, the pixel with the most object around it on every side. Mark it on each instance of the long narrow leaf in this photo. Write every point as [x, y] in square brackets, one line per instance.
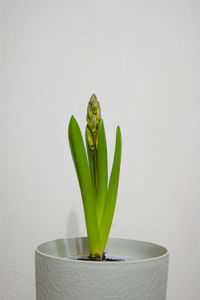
[86, 185]
[91, 161]
[112, 191]
[102, 172]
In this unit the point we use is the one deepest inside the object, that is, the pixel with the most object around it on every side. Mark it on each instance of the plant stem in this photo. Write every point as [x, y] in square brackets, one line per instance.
[95, 160]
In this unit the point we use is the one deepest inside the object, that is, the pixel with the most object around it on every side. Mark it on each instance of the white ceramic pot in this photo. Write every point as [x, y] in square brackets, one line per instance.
[60, 277]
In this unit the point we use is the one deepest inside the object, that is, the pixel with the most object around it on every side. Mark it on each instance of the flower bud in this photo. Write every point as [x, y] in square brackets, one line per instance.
[93, 114]
[89, 138]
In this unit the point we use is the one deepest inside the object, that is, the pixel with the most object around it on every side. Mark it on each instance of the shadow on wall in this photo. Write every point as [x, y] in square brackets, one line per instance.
[73, 225]
[64, 248]
[73, 228]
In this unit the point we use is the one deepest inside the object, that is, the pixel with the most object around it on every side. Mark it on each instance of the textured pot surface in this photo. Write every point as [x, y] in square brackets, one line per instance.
[58, 277]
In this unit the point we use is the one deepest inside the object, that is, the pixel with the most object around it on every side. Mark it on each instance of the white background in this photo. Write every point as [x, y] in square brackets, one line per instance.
[142, 60]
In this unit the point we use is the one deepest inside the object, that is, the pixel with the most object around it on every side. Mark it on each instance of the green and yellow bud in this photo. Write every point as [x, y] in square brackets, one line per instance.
[94, 103]
[92, 124]
[93, 114]
[89, 138]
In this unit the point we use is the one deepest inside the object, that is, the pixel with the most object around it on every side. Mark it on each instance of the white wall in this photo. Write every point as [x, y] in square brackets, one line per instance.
[142, 60]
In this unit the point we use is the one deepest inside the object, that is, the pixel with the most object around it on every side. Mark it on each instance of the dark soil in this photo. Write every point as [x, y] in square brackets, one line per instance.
[98, 258]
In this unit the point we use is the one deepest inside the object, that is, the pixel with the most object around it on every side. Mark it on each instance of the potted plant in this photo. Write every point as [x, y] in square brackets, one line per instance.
[98, 267]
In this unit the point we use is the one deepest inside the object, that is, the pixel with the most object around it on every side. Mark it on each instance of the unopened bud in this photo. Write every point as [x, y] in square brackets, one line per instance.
[89, 138]
[93, 113]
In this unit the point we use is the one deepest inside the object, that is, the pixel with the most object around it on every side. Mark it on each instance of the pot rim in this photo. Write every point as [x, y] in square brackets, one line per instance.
[165, 254]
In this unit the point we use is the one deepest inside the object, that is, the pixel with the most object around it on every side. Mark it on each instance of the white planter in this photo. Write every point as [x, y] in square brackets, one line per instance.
[59, 277]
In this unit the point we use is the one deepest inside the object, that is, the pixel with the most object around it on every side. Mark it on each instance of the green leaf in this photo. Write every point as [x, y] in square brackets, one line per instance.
[109, 208]
[102, 172]
[90, 154]
[86, 185]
